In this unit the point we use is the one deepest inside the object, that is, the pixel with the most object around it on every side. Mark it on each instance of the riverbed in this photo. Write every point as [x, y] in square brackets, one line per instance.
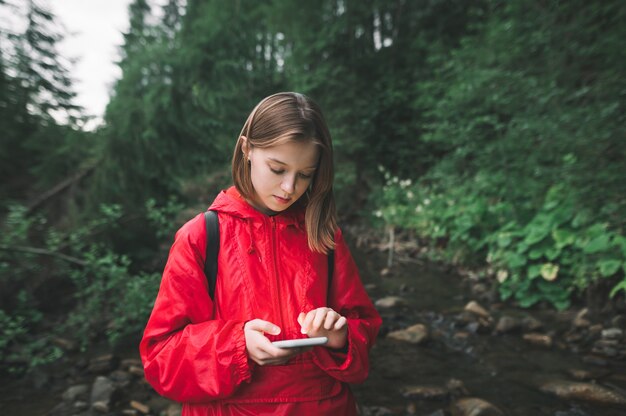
[460, 358]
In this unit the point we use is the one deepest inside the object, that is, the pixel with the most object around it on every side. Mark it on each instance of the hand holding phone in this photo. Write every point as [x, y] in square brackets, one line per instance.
[301, 342]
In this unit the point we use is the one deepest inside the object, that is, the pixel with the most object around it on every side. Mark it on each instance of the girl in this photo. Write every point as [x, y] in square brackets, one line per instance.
[277, 224]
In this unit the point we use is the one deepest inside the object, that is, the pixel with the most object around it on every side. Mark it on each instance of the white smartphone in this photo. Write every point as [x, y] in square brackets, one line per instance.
[302, 342]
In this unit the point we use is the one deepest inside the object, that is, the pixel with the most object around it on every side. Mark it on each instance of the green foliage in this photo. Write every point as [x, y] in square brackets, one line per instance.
[524, 117]
[108, 300]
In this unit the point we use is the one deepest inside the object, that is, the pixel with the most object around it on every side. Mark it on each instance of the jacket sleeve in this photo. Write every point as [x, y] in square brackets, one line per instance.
[348, 297]
[187, 355]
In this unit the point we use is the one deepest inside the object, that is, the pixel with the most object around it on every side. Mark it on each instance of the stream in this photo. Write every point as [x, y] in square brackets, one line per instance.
[458, 360]
[505, 370]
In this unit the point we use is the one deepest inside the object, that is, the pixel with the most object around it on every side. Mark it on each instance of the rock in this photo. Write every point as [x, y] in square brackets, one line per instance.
[65, 344]
[582, 319]
[507, 324]
[531, 324]
[425, 392]
[140, 407]
[415, 334]
[541, 340]
[575, 411]
[136, 370]
[158, 404]
[595, 330]
[61, 409]
[619, 321]
[120, 377]
[456, 387]
[472, 406]
[573, 336]
[478, 310]
[581, 323]
[100, 406]
[590, 392]
[102, 390]
[102, 364]
[174, 409]
[390, 302]
[461, 335]
[585, 375]
[80, 406]
[479, 289]
[375, 411]
[75, 392]
[385, 272]
[595, 360]
[129, 362]
[612, 333]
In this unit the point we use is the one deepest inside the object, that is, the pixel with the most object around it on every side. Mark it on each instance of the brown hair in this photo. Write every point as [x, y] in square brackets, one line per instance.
[283, 117]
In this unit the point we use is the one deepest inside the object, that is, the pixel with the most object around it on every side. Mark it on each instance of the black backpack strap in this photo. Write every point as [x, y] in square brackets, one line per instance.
[212, 249]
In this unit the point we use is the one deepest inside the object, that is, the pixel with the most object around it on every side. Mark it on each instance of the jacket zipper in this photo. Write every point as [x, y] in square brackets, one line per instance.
[277, 302]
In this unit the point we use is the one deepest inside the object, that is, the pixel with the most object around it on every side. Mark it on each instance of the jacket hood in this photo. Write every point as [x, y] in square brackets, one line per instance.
[231, 202]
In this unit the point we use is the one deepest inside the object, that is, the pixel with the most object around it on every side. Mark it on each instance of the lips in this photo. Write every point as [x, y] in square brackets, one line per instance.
[282, 200]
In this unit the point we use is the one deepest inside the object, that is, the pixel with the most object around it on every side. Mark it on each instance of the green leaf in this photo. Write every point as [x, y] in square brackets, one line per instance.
[536, 234]
[609, 267]
[620, 242]
[563, 237]
[600, 243]
[582, 218]
[620, 286]
[514, 260]
[534, 270]
[535, 253]
[504, 239]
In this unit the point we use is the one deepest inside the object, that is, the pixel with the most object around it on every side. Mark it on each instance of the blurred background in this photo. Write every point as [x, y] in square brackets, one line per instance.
[489, 134]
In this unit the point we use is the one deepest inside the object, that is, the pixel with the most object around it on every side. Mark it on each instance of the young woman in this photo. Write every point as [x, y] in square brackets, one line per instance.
[277, 224]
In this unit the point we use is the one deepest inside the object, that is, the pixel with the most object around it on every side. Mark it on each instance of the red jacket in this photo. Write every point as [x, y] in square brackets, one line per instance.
[193, 348]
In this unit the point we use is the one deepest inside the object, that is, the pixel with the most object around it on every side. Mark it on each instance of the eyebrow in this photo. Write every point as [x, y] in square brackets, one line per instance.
[284, 164]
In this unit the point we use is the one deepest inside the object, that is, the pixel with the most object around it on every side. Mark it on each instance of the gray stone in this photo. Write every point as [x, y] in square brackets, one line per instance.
[594, 360]
[589, 392]
[173, 409]
[541, 340]
[74, 392]
[375, 411]
[415, 334]
[425, 392]
[100, 406]
[473, 406]
[507, 324]
[390, 302]
[619, 321]
[531, 324]
[102, 364]
[476, 309]
[101, 390]
[612, 333]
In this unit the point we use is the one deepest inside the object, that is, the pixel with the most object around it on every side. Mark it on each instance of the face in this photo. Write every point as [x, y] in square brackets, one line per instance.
[281, 174]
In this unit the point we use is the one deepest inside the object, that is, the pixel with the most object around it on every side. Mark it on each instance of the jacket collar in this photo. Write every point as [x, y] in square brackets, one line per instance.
[231, 202]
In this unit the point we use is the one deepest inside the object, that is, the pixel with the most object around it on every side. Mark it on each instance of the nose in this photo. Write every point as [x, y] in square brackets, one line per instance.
[288, 185]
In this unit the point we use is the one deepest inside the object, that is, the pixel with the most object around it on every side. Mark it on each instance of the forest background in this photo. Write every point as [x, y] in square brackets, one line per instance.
[490, 131]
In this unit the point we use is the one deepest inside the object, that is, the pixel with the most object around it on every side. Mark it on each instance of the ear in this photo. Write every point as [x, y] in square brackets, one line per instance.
[245, 147]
